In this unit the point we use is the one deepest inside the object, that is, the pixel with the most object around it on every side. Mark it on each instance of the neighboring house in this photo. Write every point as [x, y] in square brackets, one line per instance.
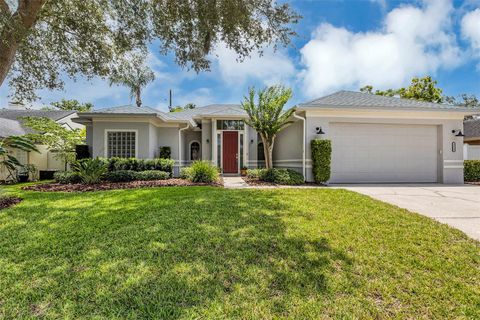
[375, 139]
[472, 139]
[11, 125]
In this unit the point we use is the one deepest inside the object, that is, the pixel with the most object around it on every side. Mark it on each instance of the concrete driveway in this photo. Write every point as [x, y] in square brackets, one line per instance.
[457, 206]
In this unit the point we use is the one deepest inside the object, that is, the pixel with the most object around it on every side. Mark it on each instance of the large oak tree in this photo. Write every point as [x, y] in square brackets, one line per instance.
[42, 40]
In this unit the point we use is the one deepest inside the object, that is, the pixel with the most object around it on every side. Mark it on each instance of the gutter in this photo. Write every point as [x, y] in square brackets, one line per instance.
[303, 145]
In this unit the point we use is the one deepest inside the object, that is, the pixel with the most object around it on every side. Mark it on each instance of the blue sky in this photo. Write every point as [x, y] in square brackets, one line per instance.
[340, 45]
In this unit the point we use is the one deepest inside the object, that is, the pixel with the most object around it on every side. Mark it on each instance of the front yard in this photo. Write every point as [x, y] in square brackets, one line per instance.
[206, 252]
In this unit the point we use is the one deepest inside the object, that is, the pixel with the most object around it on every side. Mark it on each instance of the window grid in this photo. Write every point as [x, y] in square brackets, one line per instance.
[121, 144]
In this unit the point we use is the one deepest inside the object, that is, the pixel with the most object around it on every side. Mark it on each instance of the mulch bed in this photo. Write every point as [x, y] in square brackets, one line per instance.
[260, 183]
[57, 187]
[6, 202]
[477, 183]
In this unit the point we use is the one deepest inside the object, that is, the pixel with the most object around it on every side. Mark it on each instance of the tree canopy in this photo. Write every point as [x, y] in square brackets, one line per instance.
[426, 89]
[43, 41]
[423, 89]
[72, 104]
[135, 75]
[188, 106]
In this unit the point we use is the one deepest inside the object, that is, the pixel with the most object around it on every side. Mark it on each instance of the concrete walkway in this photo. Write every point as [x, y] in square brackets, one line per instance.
[234, 183]
[457, 206]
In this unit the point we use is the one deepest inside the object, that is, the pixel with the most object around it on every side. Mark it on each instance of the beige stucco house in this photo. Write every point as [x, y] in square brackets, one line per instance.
[375, 139]
[11, 125]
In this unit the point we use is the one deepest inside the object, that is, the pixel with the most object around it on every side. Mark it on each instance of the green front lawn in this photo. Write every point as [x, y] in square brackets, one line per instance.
[204, 252]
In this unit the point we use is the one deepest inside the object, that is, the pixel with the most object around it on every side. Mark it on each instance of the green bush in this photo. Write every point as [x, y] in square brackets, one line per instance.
[91, 171]
[281, 176]
[203, 171]
[185, 173]
[471, 170]
[116, 164]
[67, 177]
[120, 176]
[255, 173]
[321, 160]
[152, 175]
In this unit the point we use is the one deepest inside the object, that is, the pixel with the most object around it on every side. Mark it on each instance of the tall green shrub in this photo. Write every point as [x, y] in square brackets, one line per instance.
[321, 158]
[471, 170]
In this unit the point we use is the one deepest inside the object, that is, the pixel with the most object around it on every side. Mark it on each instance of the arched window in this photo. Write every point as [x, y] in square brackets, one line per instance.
[194, 150]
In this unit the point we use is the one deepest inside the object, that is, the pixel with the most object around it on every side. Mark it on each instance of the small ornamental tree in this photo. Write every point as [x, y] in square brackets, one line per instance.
[58, 139]
[7, 160]
[266, 115]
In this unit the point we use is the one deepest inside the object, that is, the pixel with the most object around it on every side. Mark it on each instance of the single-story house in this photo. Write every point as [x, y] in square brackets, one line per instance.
[472, 139]
[11, 125]
[375, 139]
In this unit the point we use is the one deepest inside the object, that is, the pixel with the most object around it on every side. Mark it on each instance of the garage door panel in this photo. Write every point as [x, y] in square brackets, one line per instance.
[383, 153]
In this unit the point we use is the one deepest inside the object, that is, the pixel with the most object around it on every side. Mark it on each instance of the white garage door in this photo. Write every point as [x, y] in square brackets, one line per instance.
[363, 153]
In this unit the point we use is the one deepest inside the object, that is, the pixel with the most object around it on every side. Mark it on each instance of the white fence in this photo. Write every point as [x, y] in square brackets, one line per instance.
[471, 152]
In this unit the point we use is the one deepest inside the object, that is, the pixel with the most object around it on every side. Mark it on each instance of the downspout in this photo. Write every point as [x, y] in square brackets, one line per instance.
[303, 145]
[180, 145]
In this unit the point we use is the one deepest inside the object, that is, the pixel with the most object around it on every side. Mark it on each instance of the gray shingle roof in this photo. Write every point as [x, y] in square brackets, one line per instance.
[9, 127]
[187, 115]
[351, 99]
[11, 124]
[472, 128]
[51, 114]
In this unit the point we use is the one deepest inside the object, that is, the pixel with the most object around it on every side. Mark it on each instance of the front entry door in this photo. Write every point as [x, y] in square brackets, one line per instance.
[230, 152]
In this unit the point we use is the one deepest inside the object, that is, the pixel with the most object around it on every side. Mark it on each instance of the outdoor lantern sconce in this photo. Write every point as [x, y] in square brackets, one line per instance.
[208, 140]
[319, 130]
[251, 141]
[458, 133]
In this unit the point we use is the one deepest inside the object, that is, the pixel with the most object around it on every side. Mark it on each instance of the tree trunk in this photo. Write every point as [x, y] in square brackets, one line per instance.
[268, 151]
[20, 24]
[138, 96]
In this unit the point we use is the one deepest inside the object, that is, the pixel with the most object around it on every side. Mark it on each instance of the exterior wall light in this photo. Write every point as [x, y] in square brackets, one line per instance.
[458, 133]
[319, 130]
[208, 140]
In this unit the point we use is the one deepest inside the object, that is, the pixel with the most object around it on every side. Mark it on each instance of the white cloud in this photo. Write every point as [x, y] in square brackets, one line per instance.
[413, 41]
[272, 67]
[471, 29]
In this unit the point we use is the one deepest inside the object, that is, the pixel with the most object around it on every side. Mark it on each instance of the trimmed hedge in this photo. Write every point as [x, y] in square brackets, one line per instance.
[277, 176]
[133, 164]
[321, 160]
[471, 170]
[165, 152]
[120, 176]
[67, 177]
[152, 175]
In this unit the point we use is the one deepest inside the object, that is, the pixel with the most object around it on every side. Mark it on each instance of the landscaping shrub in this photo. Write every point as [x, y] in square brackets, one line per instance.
[165, 153]
[321, 159]
[152, 175]
[255, 173]
[185, 173]
[281, 176]
[91, 171]
[116, 164]
[203, 171]
[471, 170]
[120, 176]
[66, 177]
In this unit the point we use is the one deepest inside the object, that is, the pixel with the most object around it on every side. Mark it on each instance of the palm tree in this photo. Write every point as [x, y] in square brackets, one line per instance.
[8, 161]
[267, 117]
[134, 74]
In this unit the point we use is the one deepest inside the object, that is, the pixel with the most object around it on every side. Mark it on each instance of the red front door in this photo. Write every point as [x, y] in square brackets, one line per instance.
[230, 152]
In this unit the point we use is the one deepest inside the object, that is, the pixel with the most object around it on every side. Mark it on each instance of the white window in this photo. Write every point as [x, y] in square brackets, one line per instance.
[122, 144]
